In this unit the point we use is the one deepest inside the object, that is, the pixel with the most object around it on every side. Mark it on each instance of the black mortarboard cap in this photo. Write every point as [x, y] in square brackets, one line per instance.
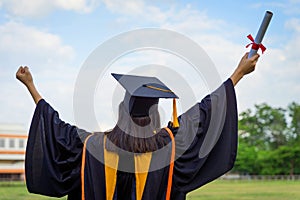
[142, 92]
[144, 86]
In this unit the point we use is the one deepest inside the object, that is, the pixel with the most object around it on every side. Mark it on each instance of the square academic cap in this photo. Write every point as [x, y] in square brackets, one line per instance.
[142, 92]
[144, 86]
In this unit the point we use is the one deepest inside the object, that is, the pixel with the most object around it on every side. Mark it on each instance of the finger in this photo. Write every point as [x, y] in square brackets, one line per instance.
[26, 69]
[255, 57]
[19, 71]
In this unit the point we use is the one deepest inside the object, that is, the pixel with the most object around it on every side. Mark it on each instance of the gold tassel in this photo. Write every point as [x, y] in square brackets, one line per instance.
[175, 119]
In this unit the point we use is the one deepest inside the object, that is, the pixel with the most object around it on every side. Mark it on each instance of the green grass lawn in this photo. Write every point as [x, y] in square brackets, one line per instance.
[248, 190]
[18, 191]
[217, 190]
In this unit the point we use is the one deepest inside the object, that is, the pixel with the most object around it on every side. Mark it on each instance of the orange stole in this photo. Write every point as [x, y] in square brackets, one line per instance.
[170, 177]
[141, 162]
[83, 166]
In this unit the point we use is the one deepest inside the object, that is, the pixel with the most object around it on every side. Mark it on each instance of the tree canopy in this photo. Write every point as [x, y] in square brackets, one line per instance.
[269, 141]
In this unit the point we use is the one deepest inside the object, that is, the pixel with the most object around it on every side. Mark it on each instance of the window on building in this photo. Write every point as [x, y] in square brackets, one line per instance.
[21, 143]
[2, 142]
[11, 143]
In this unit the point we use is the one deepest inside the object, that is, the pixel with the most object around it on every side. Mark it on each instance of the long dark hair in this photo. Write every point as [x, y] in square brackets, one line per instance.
[135, 134]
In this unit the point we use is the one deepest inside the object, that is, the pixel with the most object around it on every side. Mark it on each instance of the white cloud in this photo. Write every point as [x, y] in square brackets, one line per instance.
[49, 61]
[276, 71]
[189, 19]
[215, 37]
[293, 24]
[24, 8]
[138, 11]
[31, 45]
[289, 7]
[276, 79]
[33, 8]
[204, 30]
[82, 6]
[129, 7]
[170, 16]
[290, 53]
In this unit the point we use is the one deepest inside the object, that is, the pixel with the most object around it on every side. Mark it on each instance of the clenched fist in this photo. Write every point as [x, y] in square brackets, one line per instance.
[23, 74]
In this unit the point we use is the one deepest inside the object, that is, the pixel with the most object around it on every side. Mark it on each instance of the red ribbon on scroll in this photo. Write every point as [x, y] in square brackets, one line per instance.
[255, 46]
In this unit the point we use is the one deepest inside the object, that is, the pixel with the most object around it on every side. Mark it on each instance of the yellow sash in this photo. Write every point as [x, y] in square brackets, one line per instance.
[141, 163]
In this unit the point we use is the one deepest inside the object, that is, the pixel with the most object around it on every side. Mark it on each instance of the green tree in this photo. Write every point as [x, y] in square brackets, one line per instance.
[268, 145]
[265, 128]
[246, 162]
[294, 113]
[283, 161]
[250, 130]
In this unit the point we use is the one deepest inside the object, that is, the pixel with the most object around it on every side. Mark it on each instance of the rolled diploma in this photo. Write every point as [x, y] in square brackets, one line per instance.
[261, 31]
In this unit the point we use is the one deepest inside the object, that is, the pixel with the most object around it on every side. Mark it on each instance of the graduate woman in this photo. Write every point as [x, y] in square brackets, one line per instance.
[137, 159]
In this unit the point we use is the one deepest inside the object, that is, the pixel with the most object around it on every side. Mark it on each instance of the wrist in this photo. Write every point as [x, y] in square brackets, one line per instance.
[34, 93]
[29, 85]
[239, 72]
[236, 76]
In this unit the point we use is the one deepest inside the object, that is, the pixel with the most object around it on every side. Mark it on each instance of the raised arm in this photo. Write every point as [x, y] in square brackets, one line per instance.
[23, 74]
[246, 66]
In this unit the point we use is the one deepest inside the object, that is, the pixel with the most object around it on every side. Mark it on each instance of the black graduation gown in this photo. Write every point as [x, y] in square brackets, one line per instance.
[205, 146]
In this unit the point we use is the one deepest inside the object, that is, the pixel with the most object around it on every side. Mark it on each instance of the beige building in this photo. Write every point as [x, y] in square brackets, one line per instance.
[13, 139]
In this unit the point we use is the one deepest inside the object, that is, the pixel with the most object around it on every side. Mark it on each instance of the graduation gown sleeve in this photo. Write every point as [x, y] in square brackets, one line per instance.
[53, 153]
[206, 141]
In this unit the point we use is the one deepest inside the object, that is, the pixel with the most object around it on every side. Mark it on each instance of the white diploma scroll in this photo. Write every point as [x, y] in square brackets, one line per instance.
[256, 44]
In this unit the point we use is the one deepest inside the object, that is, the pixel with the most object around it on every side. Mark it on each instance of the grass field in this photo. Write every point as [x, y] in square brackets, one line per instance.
[18, 191]
[217, 190]
[248, 190]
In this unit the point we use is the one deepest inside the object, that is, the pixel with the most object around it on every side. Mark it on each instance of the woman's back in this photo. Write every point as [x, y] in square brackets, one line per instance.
[123, 174]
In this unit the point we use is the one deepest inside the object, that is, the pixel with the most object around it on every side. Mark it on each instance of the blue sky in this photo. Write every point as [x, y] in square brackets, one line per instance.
[54, 38]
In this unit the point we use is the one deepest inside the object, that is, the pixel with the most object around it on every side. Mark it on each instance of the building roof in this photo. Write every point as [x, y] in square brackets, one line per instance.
[13, 129]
